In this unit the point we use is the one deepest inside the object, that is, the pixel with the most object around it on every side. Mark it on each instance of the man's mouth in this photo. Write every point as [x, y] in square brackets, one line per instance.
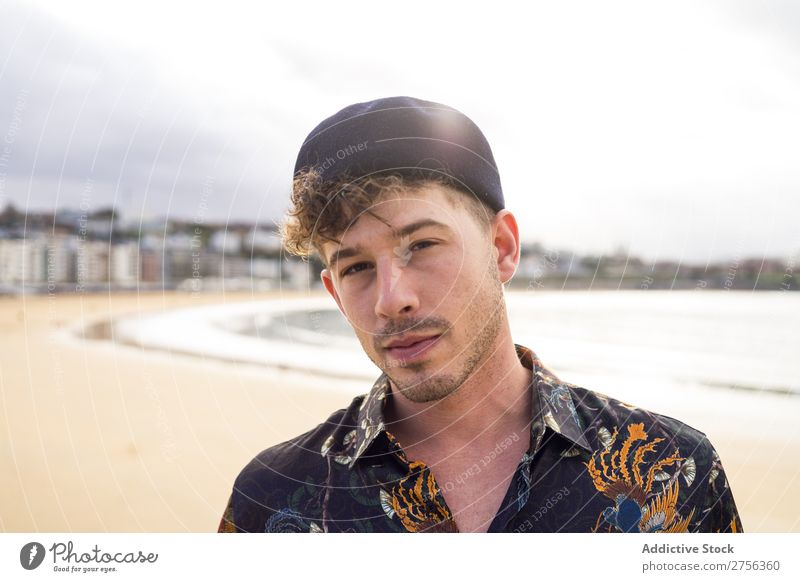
[408, 341]
[411, 347]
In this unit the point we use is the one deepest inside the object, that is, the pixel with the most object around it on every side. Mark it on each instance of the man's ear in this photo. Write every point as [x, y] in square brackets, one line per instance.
[506, 244]
[325, 275]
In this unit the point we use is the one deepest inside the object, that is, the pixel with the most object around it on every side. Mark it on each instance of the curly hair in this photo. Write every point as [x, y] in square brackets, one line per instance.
[322, 210]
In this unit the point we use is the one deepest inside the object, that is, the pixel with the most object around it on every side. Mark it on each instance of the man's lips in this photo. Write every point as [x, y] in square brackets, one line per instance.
[409, 349]
[408, 341]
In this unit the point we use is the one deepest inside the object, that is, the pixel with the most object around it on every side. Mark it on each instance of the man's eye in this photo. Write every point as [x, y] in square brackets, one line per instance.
[352, 269]
[422, 242]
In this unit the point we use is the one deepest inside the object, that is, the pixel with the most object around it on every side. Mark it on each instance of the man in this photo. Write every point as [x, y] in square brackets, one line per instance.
[464, 431]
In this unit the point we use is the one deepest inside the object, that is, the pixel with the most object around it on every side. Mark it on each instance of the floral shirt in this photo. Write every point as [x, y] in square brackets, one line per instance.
[595, 464]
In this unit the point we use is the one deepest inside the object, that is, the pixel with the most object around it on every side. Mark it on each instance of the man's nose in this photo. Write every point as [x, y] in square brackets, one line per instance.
[396, 295]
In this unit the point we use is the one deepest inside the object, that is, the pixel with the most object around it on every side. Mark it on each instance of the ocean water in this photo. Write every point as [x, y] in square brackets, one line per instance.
[716, 339]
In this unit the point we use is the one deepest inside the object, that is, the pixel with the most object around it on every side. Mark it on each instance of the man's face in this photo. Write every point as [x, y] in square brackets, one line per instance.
[425, 277]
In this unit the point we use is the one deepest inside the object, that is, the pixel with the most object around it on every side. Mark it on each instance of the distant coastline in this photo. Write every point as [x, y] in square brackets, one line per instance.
[77, 250]
[773, 281]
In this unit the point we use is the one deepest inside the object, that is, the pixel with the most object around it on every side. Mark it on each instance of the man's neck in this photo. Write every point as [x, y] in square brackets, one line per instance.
[494, 402]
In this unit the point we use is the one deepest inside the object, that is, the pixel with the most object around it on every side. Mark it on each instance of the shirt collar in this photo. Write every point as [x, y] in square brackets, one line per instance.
[552, 404]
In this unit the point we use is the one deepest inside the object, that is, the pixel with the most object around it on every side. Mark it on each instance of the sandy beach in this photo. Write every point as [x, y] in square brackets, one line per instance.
[98, 436]
[103, 437]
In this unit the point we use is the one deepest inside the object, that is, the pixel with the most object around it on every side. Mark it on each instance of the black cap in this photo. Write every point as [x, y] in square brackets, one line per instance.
[403, 134]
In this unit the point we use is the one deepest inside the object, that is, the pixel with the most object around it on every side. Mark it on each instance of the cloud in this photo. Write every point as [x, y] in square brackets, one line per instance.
[101, 113]
[603, 118]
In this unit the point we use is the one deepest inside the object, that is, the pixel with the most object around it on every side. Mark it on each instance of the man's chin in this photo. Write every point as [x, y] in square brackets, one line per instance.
[425, 389]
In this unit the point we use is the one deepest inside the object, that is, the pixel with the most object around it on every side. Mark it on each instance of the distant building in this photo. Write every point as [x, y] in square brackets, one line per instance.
[262, 241]
[92, 262]
[225, 241]
[125, 263]
[151, 262]
[230, 267]
[266, 269]
[23, 260]
[61, 259]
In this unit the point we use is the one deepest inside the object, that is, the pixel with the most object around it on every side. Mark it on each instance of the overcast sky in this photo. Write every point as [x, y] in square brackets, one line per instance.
[667, 129]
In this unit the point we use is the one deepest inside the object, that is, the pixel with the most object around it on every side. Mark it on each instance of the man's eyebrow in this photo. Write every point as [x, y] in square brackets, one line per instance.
[347, 252]
[414, 226]
[344, 253]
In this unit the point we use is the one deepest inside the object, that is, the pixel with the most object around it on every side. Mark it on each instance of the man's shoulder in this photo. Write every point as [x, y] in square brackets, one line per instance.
[302, 454]
[636, 449]
[605, 416]
[286, 479]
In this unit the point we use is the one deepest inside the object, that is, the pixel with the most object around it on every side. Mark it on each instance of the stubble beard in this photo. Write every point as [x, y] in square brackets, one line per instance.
[441, 384]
